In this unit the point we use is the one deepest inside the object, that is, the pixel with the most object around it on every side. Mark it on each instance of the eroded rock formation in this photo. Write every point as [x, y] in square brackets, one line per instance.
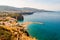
[10, 29]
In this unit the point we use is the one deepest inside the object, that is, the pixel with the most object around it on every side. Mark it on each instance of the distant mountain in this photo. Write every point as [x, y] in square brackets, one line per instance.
[25, 9]
[8, 8]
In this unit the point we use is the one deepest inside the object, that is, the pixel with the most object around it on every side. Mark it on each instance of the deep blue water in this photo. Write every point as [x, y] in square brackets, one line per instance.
[50, 30]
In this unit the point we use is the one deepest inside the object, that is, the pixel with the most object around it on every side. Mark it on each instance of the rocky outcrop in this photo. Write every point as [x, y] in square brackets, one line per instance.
[10, 29]
[17, 16]
[21, 18]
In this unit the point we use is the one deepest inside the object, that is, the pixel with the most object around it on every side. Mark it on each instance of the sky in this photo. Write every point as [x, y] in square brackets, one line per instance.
[39, 4]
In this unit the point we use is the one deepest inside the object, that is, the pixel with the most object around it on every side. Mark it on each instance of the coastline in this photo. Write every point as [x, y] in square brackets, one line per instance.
[25, 24]
[12, 30]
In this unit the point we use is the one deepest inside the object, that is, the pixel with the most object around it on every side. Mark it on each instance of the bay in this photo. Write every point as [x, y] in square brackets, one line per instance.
[50, 30]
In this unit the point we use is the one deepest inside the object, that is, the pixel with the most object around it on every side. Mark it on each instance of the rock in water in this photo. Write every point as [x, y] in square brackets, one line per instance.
[21, 18]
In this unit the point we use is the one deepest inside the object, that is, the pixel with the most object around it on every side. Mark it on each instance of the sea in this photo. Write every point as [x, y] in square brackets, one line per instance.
[49, 30]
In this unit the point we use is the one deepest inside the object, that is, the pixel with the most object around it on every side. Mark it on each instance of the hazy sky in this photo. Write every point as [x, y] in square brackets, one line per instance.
[40, 4]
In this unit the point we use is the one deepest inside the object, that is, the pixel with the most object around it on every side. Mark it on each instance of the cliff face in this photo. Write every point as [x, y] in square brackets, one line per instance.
[10, 29]
[17, 16]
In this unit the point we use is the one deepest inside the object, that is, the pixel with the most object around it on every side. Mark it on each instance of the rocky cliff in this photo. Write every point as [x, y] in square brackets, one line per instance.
[10, 29]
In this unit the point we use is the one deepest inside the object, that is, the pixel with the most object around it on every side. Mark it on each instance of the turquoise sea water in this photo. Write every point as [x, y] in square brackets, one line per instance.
[50, 30]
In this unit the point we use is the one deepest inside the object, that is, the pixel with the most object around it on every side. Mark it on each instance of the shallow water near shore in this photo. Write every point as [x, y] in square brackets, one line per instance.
[50, 30]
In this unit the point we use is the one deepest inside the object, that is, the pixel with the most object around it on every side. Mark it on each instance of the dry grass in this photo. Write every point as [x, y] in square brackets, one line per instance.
[13, 32]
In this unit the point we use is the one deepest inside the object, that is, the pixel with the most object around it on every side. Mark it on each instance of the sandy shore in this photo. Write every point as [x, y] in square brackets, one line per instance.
[25, 24]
